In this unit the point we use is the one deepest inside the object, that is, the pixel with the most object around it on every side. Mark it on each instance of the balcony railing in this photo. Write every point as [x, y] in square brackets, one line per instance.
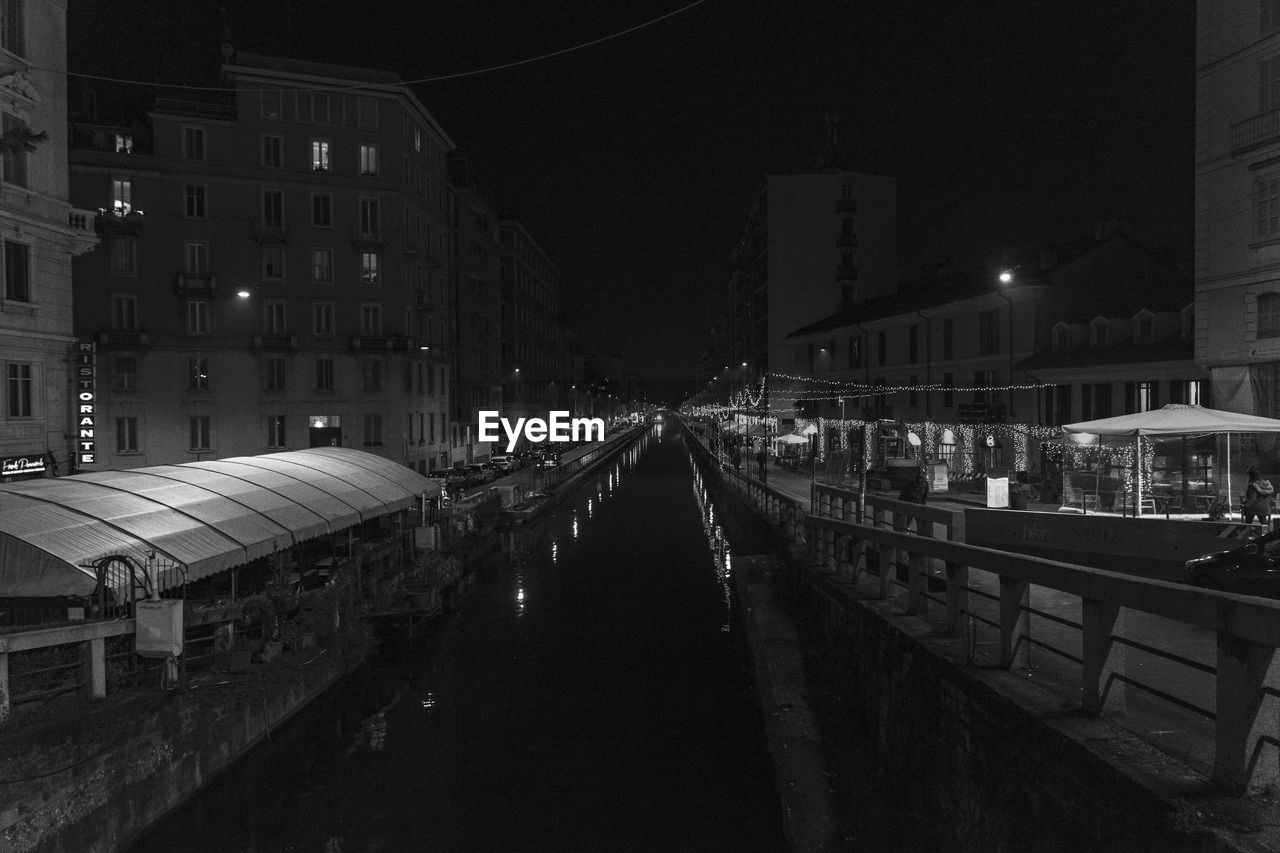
[1255, 131]
[118, 338]
[195, 283]
[119, 219]
[366, 342]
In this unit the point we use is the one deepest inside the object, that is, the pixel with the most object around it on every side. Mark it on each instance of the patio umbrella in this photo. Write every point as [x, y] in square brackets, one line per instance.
[791, 438]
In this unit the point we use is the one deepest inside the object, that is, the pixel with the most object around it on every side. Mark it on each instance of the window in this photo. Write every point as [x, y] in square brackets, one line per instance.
[372, 430]
[1267, 207]
[417, 139]
[319, 155]
[20, 389]
[12, 34]
[273, 316]
[368, 159]
[273, 262]
[1268, 315]
[124, 312]
[372, 374]
[324, 374]
[198, 427]
[322, 265]
[195, 207]
[197, 317]
[371, 319]
[1062, 338]
[948, 389]
[1100, 336]
[368, 267]
[982, 381]
[948, 337]
[124, 373]
[1269, 16]
[124, 255]
[196, 258]
[126, 435]
[17, 272]
[913, 345]
[13, 165]
[272, 209]
[275, 373]
[880, 348]
[367, 113]
[275, 431]
[124, 144]
[988, 332]
[193, 143]
[198, 374]
[368, 217]
[1057, 402]
[121, 196]
[322, 210]
[322, 318]
[1143, 329]
[272, 151]
[1141, 397]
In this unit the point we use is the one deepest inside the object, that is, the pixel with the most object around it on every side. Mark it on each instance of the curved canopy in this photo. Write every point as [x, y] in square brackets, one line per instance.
[1175, 419]
[207, 516]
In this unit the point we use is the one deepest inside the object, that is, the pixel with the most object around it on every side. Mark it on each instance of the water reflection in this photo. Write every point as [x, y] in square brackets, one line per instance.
[718, 544]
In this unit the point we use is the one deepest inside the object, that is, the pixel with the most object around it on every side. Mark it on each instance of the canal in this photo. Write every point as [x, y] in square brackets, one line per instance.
[592, 693]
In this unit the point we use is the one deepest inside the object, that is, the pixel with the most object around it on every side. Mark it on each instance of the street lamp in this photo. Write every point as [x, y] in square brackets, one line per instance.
[1006, 278]
[811, 430]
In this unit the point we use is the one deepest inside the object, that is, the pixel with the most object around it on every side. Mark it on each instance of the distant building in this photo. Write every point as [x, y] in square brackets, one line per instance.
[45, 419]
[533, 375]
[813, 244]
[478, 316]
[274, 270]
[1237, 174]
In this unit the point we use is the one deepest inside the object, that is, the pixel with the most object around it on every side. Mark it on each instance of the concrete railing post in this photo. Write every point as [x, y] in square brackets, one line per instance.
[1015, 622]
[917, 584]
[1103, 658]
[1245, 754]
[4, 687]
[887, 569]
[93, 659]
[957, 595]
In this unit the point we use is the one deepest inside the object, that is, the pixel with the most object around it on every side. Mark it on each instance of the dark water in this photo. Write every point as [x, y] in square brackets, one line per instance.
[591, 695]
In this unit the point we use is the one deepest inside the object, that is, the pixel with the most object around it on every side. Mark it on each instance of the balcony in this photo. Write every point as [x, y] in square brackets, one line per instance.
[273, 233]
[275, 342]
[1255, 131]
[118, 338]
[402, 343]
[191, 284]
[118, 220]
[362, 239]
[846, 205]
[366, 342]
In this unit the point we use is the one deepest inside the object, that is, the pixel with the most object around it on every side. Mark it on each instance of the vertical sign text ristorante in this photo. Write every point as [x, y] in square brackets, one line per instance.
[85, 402]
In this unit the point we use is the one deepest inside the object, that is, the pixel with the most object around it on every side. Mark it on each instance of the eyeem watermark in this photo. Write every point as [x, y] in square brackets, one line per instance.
[558, 427]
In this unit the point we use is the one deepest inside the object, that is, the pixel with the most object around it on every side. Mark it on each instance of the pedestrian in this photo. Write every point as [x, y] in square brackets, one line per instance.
[1256, 501]
[736, 458]
[916, 491]
[761, 458]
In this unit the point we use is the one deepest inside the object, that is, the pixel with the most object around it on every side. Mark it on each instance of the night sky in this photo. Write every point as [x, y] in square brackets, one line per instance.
[634, 162]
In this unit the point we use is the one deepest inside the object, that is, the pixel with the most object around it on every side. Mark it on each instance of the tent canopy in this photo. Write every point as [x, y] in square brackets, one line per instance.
[791, 438]
[206, 516]
[1175, 419]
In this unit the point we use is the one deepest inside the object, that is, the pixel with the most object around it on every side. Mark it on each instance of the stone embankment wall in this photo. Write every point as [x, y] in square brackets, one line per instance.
[93, 783]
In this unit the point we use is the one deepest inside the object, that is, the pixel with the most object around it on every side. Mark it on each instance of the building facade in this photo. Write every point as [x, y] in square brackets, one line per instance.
[274, 270]
[43, 421]
[1237, 202]
[534, 376]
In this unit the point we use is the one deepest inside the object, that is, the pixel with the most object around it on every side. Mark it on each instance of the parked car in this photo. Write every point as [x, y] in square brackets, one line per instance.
[502, 464]
[457, 479]
[479, 473]
[1252, 569]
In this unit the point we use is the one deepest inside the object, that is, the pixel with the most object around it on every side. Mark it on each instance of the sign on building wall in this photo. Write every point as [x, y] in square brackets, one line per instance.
[17, 466]
[86, 403]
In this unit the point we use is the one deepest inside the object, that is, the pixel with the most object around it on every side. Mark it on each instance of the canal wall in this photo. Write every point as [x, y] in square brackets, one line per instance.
[95, 783]
[885, 737]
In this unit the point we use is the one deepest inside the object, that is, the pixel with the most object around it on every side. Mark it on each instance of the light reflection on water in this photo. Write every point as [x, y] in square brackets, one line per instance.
[718, 544]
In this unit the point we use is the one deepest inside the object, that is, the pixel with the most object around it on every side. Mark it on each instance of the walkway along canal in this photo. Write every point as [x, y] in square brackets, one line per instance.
[591, 694]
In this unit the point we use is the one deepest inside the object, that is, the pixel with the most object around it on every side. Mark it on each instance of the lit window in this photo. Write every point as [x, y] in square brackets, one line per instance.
[121, 196]
[124, 144]
[319, 155]
[368, 267]
[368, 159]
[198, 374]
[322, 265]
[20, 389]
